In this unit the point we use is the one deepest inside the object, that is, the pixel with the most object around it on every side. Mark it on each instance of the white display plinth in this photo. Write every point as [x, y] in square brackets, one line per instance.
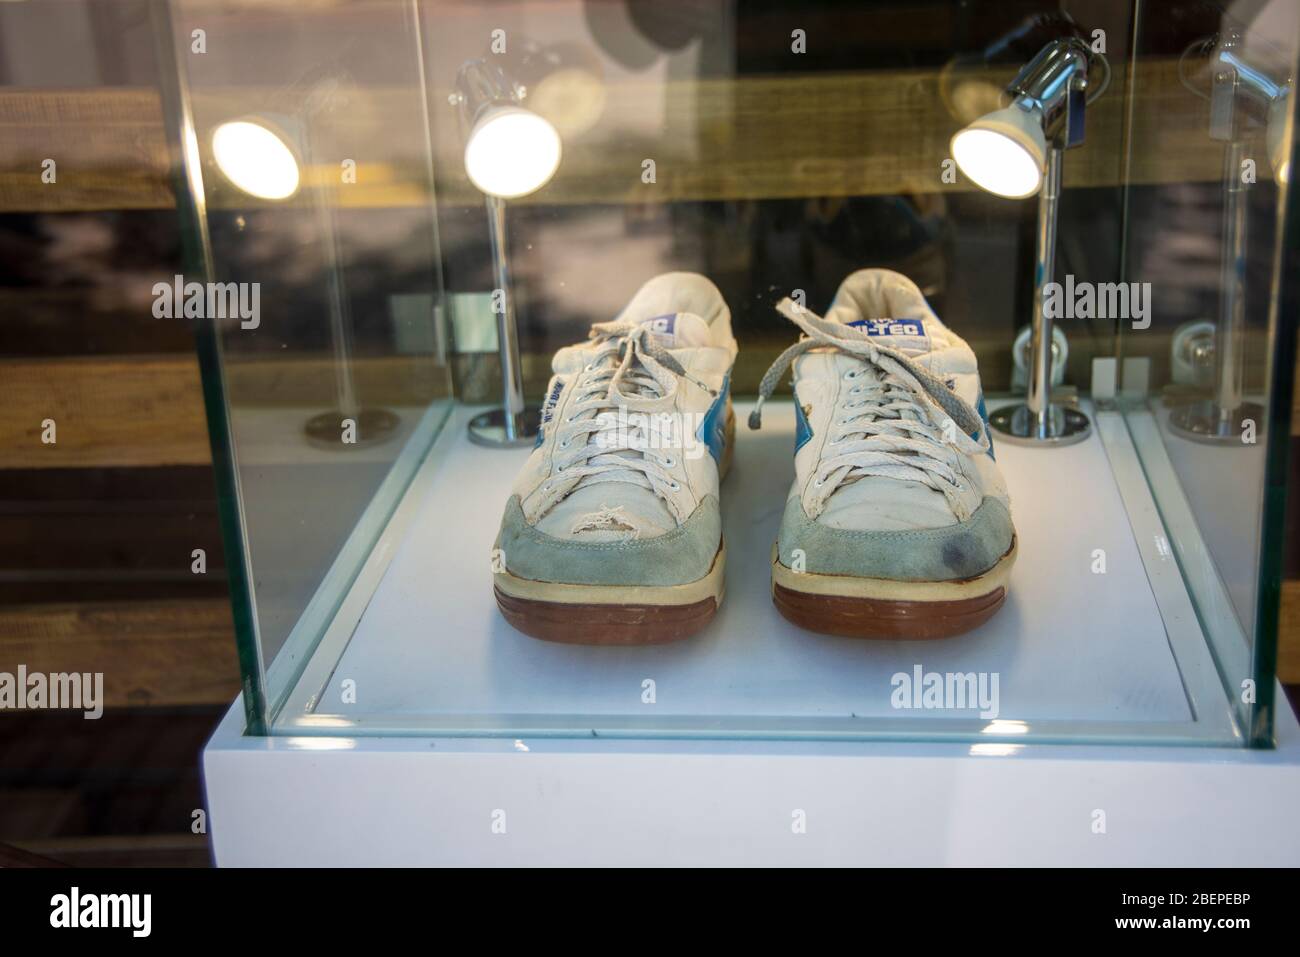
[398, 777]
[421, 801]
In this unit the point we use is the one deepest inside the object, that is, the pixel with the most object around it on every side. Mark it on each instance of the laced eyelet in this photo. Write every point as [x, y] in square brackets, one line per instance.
[675, 487]
[853, 373]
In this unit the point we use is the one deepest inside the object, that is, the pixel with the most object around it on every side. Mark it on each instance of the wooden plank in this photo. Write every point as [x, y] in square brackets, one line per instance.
[752, 137]
[151, 653]
[107, 411]
[108, 144]
[147, 410]
[11, 856]
[125, 850]
[302, 381]
[1288, 634]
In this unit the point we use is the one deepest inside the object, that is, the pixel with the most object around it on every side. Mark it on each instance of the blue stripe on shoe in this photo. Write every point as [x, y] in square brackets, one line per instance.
[713, 428]
[802, 428]
[983, 410]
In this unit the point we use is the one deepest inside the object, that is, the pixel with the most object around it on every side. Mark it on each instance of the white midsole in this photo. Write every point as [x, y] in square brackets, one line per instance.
[710, 586]
[885, 589]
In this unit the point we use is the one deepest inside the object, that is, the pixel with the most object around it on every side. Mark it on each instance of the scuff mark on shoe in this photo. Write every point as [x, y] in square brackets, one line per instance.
[607, 519]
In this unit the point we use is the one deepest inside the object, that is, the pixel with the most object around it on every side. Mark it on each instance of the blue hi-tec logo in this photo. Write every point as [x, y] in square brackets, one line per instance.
[663, 325]
[891, 327]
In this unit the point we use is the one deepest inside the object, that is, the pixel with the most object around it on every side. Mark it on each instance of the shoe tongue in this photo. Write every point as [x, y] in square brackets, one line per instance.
[912, 337]
[678, 330]
[891, 310]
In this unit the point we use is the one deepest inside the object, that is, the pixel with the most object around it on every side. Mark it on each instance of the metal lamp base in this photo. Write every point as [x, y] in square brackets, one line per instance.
[1064, 426]
[493, 428]
[1205, 421]
[372, 426]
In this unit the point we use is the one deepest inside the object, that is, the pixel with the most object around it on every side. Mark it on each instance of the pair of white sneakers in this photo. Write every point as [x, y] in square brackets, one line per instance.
[898, 523]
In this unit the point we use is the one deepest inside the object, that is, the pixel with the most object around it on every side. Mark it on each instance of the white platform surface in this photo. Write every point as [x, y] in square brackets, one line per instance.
[1068, 644]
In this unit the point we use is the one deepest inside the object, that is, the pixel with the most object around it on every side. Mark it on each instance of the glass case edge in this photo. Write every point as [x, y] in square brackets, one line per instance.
[196, 258]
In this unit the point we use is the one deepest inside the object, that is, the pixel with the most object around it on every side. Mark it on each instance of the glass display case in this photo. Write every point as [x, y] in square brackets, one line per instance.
[1033, 262]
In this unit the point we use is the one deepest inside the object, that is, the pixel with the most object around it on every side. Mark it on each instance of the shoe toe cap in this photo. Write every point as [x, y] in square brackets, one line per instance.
[679, 556]
[947, 553]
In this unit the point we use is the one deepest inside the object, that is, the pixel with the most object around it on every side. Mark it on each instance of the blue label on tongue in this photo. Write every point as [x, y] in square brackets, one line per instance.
[663, 325]
[891, 327]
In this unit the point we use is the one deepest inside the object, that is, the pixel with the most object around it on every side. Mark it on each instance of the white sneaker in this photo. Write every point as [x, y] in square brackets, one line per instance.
[613, 533]
[898, 524]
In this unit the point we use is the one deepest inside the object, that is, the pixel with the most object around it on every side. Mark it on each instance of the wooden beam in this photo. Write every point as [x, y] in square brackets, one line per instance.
[121, 850]
[108, 144]
[109, 411]
[1288, 634]
[752, 137]
[150, 653]
[147, 410]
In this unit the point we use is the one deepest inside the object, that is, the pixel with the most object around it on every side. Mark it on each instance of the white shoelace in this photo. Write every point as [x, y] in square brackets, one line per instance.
[630, 371]
[907, 425]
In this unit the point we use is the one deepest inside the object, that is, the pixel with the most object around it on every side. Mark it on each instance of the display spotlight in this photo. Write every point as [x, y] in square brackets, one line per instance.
[510, 151]
[1016, 152]
[968, 82]
[266, 155]
[1244, 96]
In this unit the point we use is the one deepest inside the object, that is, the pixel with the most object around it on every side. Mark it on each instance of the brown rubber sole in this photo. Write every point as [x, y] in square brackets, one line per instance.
[594, 624]
[886, 619]
[890, 610]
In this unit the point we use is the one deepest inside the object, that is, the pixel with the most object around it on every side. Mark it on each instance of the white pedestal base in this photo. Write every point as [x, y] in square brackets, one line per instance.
[420, 801]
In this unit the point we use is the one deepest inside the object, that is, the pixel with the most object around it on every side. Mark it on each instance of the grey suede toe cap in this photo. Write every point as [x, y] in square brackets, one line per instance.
[678, 557]
[950, 553]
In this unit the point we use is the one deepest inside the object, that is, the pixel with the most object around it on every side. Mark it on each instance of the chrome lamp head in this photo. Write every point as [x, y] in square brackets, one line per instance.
[1006, 151]
[1244, 95]
[510, 151]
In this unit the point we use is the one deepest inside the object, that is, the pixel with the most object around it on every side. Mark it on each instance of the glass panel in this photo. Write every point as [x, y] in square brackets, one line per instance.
[311, 166]
[1209, 150]
[582, 149]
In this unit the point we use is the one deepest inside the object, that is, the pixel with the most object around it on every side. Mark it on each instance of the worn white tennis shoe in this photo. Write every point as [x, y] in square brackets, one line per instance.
[898, 524]
[613, 533]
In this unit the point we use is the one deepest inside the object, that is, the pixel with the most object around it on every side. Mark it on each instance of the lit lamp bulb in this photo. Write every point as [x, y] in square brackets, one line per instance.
[1004, 151]
[255, 159]
[511, 152]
